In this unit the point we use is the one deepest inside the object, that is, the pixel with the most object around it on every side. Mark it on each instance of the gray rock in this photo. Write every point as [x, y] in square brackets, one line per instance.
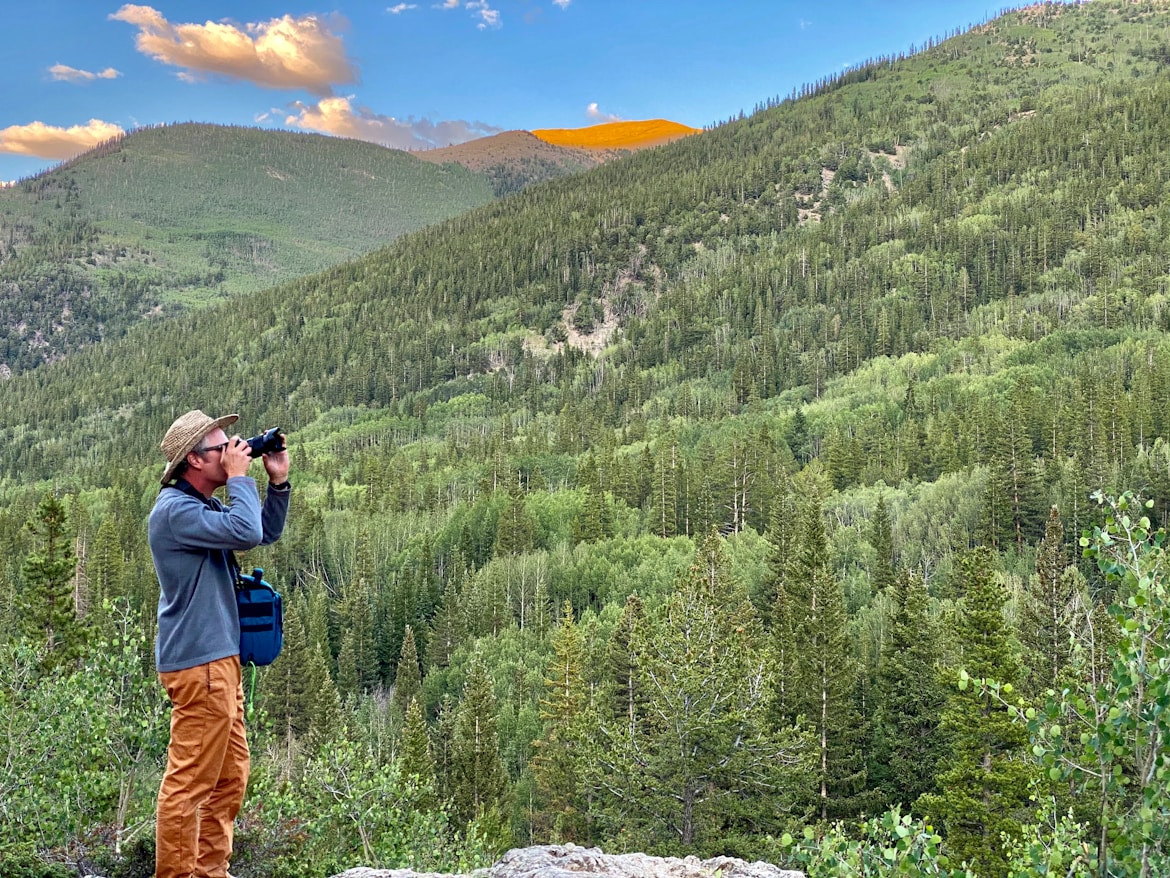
[571, 861]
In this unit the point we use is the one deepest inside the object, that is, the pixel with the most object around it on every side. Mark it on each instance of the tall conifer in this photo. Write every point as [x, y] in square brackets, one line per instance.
[560, 815]
[983, 781]
[47, 608]
[909, 699]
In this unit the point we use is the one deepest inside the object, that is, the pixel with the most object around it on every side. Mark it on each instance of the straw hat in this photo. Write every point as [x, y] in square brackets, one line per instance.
[185, 434]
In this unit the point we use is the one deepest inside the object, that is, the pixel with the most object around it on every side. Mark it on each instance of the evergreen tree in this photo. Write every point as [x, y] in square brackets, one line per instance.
[47, 607]
[325, 716]
[106, 563]
[983, 780]
[408, 678]
[881, 537]
[287, 693]
[479, 781]
[799, 439]
[1049, 615]
[360, 633]
[515, 531]
[560, 815]
[625, 692]
[816, 676]
[414, 755]
[664, 488]
[701, 764]
[909, 699]
[447, 629]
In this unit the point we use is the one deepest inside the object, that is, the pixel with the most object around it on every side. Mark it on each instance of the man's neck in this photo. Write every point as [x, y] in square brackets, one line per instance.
[200, 484]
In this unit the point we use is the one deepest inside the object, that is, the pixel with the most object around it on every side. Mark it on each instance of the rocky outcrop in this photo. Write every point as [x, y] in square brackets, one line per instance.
[571, 861]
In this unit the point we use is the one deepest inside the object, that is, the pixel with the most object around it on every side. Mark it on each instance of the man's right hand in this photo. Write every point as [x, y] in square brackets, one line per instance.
[236, 457]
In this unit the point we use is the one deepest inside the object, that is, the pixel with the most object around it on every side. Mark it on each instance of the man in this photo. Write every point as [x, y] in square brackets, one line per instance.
[192, 537]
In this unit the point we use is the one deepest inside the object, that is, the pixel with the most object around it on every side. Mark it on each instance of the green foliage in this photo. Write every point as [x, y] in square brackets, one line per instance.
[561, 809]
[1107, 735]
[347, 804]
[80, 749]
[889, 844]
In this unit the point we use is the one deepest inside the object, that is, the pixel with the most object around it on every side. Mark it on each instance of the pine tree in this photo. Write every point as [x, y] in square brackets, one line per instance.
[515, 531]
[881, 537]
[47, 609]
[909, 699]
[325, 715]
[626, 697]
[664, 488]
[560, 815]
[408, 678]
[447, 629]
[817, 678]
[1049, 616]
[106, 564]
[286, 684]
[701, 763]
[983, 780]
[479, 781]
[357, 617]
[414, 755]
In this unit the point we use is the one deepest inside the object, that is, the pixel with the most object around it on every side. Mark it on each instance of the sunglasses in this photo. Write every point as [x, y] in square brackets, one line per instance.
[220, 447]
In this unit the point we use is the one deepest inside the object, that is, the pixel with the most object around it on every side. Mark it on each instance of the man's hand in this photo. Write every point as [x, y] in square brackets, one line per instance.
[235, 458]
[276, 464]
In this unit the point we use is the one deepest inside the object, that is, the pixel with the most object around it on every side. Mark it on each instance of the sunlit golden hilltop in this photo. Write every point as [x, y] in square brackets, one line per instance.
[617, 135]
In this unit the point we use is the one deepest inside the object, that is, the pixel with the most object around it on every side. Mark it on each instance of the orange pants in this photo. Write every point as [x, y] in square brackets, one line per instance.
[207, 770]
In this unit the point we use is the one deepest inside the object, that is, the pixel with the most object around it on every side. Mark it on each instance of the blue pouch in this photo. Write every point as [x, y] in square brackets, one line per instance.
[261, 619]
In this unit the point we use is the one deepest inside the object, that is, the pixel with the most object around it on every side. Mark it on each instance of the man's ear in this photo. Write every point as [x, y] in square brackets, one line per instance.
[194, 460]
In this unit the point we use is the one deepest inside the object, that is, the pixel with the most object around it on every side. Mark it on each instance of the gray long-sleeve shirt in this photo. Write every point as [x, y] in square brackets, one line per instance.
[190, 539]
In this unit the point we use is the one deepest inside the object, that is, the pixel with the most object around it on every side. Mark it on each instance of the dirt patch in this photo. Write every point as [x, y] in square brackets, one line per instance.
[592, 343]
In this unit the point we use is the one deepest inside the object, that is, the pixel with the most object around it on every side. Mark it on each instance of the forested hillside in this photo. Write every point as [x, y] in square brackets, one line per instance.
[714, 500]
[190, 214]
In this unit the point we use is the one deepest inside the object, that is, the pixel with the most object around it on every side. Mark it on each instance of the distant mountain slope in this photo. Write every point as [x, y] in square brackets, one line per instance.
[515, 159]
[998, 192]
[184, 214]
[617, 135]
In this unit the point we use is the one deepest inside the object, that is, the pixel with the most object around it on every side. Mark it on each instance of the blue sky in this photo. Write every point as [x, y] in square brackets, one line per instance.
[414, 75]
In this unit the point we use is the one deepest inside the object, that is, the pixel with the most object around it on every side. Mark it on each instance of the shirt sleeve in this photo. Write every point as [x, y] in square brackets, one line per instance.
[274, 513]
[238, 527]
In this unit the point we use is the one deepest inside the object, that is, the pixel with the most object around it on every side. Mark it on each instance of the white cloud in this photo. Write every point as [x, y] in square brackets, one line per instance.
[49, 142]
[337, 116]
[479, 9]
[488, 17]
[594, 112]
[564, 4]
[400, 8]
[281, 53]
[65, 73]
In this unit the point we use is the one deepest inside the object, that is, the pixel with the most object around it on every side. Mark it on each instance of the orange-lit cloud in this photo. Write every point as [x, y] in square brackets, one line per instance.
[338, 117]
[48, 142]
[594, 112]
[65, 73]
[282, 53]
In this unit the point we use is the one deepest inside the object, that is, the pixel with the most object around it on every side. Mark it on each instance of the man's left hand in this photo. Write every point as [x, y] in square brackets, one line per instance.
[276, 463]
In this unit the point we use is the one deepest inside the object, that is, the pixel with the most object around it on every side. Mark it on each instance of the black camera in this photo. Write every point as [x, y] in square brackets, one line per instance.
[266, 443]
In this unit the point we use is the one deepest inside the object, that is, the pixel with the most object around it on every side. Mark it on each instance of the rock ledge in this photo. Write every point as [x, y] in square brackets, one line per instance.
[571, 861]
